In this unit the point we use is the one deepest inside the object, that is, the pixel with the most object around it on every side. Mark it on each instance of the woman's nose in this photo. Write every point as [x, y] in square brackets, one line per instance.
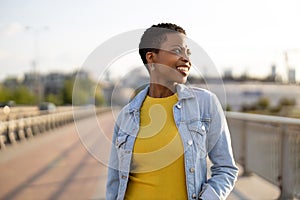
[185, 58]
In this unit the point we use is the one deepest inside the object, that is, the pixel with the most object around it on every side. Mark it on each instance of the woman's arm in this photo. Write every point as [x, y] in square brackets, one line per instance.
[112, 184]
[224, 171]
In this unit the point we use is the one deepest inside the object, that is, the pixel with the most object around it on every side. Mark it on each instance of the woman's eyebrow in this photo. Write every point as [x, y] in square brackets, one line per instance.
[177, 45]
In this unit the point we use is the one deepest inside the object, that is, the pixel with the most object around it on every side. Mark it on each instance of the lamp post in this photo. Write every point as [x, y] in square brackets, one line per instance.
[37, 87]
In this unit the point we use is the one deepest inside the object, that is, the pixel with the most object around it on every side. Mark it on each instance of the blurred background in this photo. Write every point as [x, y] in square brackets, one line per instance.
[253, 44]
[255, 48]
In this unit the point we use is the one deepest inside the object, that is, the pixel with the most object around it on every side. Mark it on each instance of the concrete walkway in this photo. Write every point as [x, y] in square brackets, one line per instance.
[253, 188]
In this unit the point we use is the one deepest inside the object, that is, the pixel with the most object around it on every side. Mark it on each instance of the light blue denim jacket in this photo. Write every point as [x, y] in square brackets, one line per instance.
[203, 129]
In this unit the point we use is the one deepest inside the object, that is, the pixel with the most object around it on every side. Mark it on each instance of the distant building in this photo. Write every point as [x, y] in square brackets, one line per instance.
[81, 74]
[292, 76]
[273, 72]
[33, 81]
[228, 74]
[53, 83]
[11, 82]
[272, 77]
[237, 94]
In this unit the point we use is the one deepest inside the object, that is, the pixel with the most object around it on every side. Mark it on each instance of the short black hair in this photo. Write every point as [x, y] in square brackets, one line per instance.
[154, 36]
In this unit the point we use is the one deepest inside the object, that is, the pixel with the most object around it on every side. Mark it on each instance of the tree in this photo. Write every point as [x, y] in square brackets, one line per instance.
[99, 99]
[287, 102]
[22, 95]
[263, 103]
[5, 94]
[67, 91]
[56, 99]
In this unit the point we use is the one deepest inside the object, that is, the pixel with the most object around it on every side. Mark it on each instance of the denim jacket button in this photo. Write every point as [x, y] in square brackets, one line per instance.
[190, 142]
[178, 106]
[203, 128]
[192, 169]
[124, 177]
[194, 196]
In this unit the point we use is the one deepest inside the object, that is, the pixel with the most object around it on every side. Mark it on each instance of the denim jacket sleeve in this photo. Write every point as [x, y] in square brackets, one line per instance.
[112, 183]
[223, 171]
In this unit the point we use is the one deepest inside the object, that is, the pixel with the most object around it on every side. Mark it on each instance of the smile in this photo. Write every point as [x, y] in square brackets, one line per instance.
[183, 70]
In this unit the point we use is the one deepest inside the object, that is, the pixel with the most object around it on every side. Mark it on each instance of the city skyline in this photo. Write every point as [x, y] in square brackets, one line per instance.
[247, 37]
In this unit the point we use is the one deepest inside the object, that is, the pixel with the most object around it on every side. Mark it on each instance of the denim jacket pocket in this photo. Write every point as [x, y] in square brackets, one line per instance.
[124, 154]
[120, 141]
[198, 130]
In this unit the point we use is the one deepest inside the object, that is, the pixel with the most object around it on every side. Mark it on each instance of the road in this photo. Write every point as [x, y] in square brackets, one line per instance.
[56, 165]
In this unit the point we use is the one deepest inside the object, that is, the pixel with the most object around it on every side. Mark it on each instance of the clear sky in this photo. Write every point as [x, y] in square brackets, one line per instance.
[245, 36]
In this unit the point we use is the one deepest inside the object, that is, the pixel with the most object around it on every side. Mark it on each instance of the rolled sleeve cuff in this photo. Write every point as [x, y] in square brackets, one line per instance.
[208, 193]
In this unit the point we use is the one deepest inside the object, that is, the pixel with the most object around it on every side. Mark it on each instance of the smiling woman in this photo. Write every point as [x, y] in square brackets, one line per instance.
[162, 137]
[166, 58]
[168, 67]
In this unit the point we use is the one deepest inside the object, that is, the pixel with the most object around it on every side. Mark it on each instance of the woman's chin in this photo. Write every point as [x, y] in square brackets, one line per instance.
[184, 80]
[181, 81]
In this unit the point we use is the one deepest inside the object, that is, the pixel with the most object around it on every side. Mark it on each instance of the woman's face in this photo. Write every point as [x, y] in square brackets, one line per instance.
[172, 63]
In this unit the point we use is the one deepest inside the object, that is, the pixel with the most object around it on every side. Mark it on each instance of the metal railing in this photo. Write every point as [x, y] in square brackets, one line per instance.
[16, 130]
[268, 146]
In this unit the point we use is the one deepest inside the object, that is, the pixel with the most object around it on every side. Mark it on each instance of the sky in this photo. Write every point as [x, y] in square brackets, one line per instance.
[244, 36]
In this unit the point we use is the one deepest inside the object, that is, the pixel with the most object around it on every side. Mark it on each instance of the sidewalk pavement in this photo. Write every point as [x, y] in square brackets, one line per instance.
[254, 188]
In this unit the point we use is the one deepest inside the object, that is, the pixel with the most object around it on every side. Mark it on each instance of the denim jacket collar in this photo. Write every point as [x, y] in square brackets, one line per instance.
[182, 91]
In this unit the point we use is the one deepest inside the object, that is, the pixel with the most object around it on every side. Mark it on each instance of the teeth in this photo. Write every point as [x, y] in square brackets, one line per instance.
[183, 69]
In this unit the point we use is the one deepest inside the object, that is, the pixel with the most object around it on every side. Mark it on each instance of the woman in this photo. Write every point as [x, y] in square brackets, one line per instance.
[163, 136]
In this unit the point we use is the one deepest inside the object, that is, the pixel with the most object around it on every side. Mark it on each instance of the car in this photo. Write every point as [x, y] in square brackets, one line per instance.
[47, 106]
[7, 103]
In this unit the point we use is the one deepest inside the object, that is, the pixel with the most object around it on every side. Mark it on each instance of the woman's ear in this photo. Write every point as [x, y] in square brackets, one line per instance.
[150, 57]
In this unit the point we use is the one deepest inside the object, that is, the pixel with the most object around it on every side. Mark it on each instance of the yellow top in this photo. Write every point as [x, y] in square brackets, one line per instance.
[157, 168]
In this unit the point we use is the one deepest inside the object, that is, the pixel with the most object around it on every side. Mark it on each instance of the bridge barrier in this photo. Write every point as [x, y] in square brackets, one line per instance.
[268, 146]
[17, 130]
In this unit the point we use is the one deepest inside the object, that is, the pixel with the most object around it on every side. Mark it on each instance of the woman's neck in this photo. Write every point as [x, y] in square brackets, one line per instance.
[160, 91]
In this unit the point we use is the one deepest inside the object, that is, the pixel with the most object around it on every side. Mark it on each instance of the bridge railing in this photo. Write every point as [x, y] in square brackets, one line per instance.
[268, 146]
[17, 112]
[16, 130]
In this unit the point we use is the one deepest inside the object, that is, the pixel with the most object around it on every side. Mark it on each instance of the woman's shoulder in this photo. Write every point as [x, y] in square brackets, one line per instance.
[201, 92]
[124, 110]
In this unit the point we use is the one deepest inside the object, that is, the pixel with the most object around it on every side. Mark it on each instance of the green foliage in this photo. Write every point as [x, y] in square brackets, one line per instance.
[84, 93]
[67, 91]
[262, 106]
[99, 99]
[80, 97]
[22, 95]
[263, 103]
[228, 107]
[5, 94]
[56, 99]
[287, 102]
[81, 92]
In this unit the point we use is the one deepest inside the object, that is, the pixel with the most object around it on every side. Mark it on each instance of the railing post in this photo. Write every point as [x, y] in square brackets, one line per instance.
[28, 129]
[12, 124]
[3, 138]
[20, 130]
[244, 163]
[286, 171]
